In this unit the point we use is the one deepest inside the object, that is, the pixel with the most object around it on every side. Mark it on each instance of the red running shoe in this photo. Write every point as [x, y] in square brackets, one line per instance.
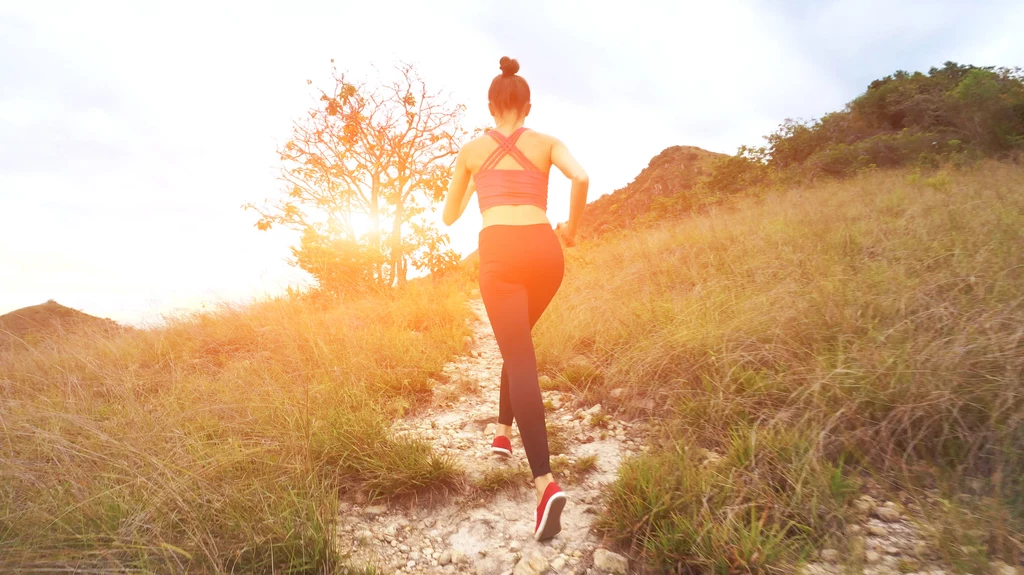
[549, 513]
[502, 446]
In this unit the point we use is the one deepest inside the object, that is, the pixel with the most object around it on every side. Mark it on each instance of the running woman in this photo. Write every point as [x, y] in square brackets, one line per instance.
[521, 262]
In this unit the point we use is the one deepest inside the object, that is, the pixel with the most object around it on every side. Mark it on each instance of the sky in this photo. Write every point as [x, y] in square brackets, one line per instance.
[131, 133]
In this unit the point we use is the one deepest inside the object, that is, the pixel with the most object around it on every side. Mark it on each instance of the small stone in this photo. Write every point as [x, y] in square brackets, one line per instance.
[534, 563]
[863, 506]
[1001, 568]
[445, 558]
[830, 555]
[892, 550]
[375, 510]
[887, 514]
[878, 531]
[558, 563]
[544, 381]
[594, 410]
[491, 429]
[921, 550]
[410, 564]
[610, 562]
[458, 557]
[854, 529]
[616, 393]
[872, 557]
[514, 547]
[487, 566]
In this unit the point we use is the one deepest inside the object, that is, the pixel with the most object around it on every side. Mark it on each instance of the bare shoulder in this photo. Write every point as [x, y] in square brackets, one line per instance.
[542, 137]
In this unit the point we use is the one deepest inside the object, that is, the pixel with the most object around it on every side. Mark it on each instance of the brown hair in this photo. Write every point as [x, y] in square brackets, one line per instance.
[509, 91]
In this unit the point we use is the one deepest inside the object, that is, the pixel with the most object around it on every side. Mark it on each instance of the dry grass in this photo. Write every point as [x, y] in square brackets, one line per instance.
[808, 335]
[222, 442]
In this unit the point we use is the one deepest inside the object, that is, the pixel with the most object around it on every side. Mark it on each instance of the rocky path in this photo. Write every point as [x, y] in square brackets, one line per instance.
[487, 529]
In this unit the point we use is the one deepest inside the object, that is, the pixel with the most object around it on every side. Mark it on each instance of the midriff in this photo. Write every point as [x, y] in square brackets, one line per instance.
[510, 215]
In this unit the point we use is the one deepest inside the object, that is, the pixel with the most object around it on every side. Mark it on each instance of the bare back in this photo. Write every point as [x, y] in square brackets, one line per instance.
[537, 148]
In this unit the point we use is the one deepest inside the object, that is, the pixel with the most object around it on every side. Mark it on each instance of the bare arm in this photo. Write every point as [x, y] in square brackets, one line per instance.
[568, 165]
[458, 191]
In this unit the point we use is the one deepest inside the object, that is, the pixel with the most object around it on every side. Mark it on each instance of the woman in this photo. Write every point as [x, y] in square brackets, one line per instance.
[521, 262]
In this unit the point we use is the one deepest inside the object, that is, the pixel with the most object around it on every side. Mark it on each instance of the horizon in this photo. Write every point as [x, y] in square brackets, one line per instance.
[128, 153]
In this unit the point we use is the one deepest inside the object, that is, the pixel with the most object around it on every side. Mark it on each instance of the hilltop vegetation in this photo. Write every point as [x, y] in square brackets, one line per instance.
[952, 116]
[669, 176]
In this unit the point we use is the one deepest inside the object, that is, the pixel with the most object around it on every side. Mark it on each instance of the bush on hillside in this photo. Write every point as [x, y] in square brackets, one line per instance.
[954, 114]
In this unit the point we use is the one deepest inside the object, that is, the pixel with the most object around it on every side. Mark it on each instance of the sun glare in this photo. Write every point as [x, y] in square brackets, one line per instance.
[361, 223]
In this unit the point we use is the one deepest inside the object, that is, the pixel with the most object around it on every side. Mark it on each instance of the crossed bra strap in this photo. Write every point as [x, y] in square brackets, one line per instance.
[507, 146]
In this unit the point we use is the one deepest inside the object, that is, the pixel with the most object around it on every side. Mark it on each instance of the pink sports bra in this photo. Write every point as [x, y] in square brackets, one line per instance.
[528, 186]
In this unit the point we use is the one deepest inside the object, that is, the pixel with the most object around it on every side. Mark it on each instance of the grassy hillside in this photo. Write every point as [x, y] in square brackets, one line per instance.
[222, 442]
[811, 339]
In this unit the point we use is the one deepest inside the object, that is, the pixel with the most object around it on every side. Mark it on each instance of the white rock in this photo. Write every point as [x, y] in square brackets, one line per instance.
[491, 429]
[410, 564]
[445, 558]
[830, 555]
[533, 563]
[606, 560]
[558, 563]
[872, 557]
[878, 530]
[887, 514]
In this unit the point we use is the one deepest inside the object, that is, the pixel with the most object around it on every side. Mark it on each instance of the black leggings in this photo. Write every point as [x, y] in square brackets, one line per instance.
[521, 268]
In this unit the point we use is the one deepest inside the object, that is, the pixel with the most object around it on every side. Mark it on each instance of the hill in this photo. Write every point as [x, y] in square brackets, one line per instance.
[50, 319]
[809, 352]
[675, 170]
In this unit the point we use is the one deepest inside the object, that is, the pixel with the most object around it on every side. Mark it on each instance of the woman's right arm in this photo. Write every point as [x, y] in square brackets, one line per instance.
[572, 169]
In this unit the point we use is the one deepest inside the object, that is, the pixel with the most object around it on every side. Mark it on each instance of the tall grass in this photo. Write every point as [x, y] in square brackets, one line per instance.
[222, 442]
[806, 336]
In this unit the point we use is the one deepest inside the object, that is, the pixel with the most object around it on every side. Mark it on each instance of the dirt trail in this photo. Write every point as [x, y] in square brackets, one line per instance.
[491, 533]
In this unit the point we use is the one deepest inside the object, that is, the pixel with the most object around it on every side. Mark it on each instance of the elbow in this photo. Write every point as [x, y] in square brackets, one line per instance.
[448, 220]
[581, 179]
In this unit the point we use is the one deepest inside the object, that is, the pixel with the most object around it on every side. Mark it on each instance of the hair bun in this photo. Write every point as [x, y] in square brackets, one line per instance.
[509, 66]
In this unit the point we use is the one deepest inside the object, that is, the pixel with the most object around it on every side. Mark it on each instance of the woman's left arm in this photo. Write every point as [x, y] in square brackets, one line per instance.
[459, 191]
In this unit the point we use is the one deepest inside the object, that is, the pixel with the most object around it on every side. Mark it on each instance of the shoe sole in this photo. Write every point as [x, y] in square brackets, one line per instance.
[550, 522]
[501, 451]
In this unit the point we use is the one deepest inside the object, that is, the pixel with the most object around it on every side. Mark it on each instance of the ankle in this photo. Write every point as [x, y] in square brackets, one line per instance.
[541, 483]
[503, 429]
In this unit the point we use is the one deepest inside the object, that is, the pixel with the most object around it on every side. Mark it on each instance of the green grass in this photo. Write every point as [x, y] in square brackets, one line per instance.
[574, 471]
[811, 335]
[503, 478]
[222, 442]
